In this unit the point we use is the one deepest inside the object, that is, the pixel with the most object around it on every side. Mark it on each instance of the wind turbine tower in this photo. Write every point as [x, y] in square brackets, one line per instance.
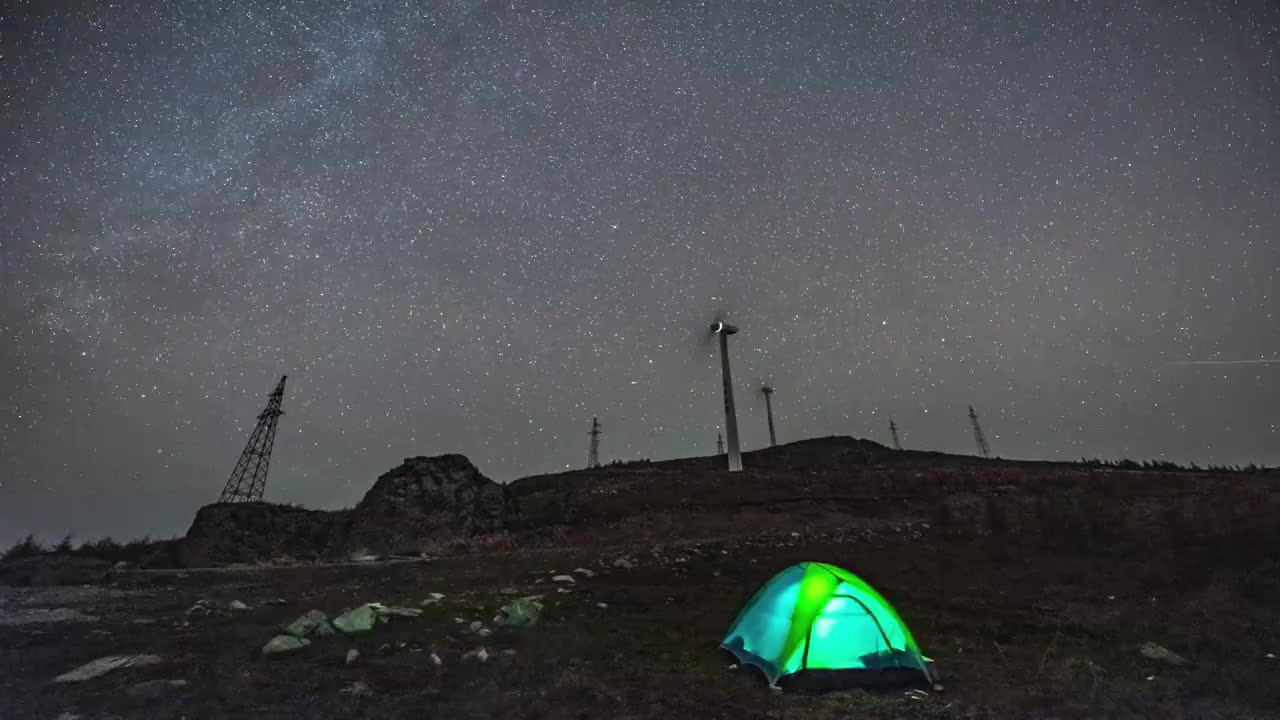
[724, 330]
[768, 408]
[893, 430]
[978, 437]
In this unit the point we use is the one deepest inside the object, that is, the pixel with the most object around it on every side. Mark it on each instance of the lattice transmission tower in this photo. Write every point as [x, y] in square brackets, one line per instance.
[719, 444]
[978, 437]
[593, 457]
[893, 430]
[249, 478]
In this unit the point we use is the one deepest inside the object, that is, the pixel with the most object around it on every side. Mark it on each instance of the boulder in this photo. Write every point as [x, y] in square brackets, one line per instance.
[425, 501]
[256, 532]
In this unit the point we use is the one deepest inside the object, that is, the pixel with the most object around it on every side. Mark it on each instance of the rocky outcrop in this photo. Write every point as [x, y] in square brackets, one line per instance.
[425, 502]
[231, 533]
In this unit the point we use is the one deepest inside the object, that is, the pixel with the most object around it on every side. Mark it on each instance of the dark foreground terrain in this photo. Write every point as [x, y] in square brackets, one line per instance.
[1041, 614]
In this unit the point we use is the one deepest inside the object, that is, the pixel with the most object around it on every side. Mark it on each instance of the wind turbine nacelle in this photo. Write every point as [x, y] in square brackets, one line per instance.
[723, 327]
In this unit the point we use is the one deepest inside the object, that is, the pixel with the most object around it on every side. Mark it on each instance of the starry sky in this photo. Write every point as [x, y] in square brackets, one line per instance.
[468, 227]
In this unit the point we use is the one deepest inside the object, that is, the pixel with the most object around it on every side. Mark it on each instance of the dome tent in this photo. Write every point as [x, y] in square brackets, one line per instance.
[818, 626]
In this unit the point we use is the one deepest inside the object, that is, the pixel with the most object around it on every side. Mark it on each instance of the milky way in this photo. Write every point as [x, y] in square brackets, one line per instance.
[470, 227]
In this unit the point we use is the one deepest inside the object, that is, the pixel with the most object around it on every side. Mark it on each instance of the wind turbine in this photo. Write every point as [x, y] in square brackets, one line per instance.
[768, 408]
[724, 330]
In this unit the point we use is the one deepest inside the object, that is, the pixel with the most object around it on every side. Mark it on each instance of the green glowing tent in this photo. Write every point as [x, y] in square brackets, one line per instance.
[817, 626]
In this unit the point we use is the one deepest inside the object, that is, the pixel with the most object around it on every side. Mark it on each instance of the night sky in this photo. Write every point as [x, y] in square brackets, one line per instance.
[469, 227]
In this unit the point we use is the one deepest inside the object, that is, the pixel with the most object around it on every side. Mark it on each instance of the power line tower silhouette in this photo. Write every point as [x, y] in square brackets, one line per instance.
[978, 437]
[593, 457]
[719, 444]
[893, 430]
[249, 478]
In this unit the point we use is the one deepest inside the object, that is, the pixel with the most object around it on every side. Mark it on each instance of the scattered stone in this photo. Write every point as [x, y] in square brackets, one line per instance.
[381, 609]
[276, 601]
[476, 625]
[1271, 656]
[357, 689]
[509, 652]
[602, 606]
[1152, 651]
[458, 620]
[200, 608]
[509, 591]
[237, 605]
[27, 616]
[563, 579]
[436, 659]
[733, 667]
[281, 644]
[352, 655]
[68, 715]
[312, 622]
[153, 689]
[104, 665]
[479, 654]
[623, 563]
[563, 590]
[359, 619]
[522, 612]
[436, 596]
[584, 572]
[364, 557]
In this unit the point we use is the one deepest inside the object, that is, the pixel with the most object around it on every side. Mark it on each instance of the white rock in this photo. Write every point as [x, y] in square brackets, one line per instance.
[603, 606]
[584, 572]
[476, 625]
[436, 596]
[237, 605]
[1152, 651]
[458, 620]
[358, 689]
[104, 665]
[436, 659]
[563, 579]
[352, 655]
[484, 632]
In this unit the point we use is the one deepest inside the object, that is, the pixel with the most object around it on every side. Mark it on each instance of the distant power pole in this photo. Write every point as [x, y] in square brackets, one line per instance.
[249, 478]
[893, 430]
[978, 437]
[593, 457]
[719, 444]
[768, 407]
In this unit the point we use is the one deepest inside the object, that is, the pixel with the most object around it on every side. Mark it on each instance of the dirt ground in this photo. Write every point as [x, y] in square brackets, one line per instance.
[1017, 631]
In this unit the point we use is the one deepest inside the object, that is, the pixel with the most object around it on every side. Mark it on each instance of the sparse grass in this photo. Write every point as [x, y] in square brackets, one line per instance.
[26, 547]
